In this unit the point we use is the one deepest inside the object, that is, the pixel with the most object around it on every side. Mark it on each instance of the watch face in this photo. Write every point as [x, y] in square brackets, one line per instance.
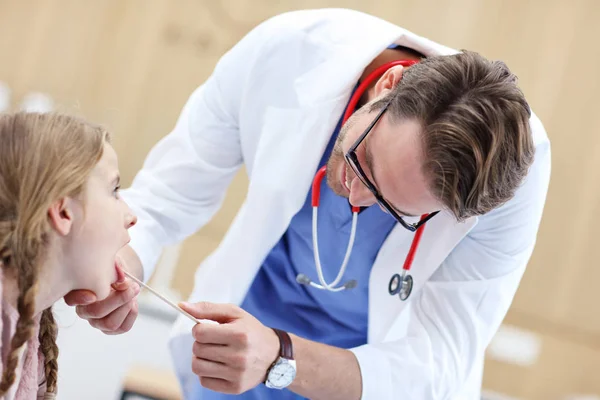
[282, 374]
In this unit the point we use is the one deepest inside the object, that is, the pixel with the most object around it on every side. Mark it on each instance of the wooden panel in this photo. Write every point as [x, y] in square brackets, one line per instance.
[562, 265]
[564, 369]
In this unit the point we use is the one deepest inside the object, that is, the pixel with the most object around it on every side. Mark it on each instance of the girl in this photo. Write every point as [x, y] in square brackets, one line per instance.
[61, 224]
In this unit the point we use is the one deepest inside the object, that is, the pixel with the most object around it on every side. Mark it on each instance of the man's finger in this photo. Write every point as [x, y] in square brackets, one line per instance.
[220, 385]
[205, 368]
[120, 284]
[80, 298]
[115, 300]
[130, 319]
[222, 313]
[214, 352]
[113, 321]
[216, 334]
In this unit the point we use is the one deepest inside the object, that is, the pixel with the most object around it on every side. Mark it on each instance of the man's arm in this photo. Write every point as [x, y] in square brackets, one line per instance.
[235, 355]
[325, 372]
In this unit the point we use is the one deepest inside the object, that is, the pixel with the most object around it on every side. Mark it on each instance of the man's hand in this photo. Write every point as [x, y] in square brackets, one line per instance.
[117, 313]
[234, 356]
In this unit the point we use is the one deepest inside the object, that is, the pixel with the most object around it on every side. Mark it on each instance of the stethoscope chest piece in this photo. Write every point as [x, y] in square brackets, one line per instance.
[401, 285]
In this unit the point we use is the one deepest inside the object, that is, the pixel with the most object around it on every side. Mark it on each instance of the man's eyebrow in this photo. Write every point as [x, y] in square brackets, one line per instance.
[369, 158]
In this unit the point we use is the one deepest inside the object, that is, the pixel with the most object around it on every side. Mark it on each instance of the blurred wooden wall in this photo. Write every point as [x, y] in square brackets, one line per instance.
[130, 64]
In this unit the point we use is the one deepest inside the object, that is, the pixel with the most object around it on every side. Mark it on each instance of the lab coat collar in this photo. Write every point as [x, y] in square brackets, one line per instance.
[341, 67]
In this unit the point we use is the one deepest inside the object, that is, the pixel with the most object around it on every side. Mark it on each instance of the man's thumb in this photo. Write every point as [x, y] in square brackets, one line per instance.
[203, 310]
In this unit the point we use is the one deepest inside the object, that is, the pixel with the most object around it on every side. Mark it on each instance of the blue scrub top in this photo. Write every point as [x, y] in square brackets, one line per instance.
[336, 318]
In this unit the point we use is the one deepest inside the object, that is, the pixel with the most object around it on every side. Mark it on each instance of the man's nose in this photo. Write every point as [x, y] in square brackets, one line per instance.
[360, 195]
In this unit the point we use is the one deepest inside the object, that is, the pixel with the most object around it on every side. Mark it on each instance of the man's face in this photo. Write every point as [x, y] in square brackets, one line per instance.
[391, 157]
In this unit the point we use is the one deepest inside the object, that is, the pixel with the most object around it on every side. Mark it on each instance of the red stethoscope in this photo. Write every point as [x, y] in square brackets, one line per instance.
[400, 284]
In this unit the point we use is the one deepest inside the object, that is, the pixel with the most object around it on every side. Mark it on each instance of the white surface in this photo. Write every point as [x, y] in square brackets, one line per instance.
[490, 395]
[37, 102]
[92, 365]
[515, 346]
[4, 97]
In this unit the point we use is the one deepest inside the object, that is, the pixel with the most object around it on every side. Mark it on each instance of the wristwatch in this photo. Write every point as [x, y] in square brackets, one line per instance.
[283, 371]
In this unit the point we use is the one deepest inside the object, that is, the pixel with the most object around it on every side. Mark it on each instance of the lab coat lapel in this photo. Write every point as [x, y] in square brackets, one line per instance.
[293, 140]
[291, 145]
[288, 155]
[442, 233]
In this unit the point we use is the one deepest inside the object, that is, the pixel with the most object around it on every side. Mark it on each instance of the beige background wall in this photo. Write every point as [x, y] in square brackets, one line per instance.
[130, 65]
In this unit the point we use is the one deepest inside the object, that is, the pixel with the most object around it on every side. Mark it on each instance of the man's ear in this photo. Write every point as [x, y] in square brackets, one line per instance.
[61, 215]
[388, 81]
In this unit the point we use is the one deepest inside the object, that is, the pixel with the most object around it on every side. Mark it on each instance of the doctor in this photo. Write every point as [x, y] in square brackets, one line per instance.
[450, 137]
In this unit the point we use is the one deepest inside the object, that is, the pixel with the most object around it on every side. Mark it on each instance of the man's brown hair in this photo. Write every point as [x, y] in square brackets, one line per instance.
[476, 136]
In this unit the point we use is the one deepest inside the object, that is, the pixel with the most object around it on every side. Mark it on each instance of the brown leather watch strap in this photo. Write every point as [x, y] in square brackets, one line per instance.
[285, 343]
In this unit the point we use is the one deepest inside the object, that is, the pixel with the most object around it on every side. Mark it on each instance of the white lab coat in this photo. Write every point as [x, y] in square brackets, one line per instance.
[272, 104]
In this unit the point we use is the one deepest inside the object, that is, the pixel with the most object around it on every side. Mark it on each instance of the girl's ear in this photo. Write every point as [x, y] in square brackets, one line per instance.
[60, 214]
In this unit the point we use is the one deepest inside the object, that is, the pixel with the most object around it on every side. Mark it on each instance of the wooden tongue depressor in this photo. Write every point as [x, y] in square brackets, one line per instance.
[169, 302]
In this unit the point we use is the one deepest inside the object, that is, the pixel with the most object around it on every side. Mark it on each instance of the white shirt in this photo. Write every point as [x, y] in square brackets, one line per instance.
[271, 104]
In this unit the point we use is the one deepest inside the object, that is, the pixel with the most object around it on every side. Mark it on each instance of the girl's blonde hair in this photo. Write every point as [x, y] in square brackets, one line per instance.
[43, 158]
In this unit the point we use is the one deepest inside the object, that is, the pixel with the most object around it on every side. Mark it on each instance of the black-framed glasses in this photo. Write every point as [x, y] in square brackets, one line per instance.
[352, 160]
